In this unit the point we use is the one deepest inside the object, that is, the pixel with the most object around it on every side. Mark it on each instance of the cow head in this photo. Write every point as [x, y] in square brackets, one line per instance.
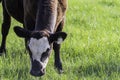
[39, 46]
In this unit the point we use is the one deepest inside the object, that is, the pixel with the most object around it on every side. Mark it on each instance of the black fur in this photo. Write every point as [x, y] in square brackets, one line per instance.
[39, 18]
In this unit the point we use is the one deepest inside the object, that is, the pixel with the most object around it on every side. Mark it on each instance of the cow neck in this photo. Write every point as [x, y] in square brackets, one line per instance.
[46, 15]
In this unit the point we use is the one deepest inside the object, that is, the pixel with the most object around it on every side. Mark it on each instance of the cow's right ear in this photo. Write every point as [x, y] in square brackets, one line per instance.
[57, 37]
[21, 32]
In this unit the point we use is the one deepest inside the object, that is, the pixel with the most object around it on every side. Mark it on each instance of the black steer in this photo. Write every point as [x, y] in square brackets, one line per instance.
[43, 22]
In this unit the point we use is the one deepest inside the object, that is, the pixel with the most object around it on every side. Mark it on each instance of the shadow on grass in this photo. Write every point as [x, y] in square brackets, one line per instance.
[108, 3]
[99, 70]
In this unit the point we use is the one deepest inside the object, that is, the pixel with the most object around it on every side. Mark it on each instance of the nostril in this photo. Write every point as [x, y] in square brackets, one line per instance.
[43, 70]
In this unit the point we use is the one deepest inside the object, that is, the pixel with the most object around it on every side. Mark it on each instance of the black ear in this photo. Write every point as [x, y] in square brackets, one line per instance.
[21, 32]
[58, 37]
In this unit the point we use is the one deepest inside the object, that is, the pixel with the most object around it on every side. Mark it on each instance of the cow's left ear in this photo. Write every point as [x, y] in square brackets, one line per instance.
[57, 37]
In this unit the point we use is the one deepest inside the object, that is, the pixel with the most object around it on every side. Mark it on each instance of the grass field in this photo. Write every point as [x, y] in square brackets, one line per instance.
[90, 52]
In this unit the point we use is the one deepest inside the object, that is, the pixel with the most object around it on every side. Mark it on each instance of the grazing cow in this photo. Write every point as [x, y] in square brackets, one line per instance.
[43, 22]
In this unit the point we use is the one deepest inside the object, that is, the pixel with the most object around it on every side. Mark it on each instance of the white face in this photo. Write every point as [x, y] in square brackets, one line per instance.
[38, 47]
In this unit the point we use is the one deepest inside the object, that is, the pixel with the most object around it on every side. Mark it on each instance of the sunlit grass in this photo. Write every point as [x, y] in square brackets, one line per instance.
[90, 52]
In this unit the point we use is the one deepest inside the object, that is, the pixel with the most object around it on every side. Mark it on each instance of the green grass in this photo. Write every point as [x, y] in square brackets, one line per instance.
[90, 52]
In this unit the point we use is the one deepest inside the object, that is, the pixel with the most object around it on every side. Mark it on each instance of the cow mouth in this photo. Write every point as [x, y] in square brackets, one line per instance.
[37, 73]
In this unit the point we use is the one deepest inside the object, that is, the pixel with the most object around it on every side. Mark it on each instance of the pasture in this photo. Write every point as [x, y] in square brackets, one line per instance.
[90, 52]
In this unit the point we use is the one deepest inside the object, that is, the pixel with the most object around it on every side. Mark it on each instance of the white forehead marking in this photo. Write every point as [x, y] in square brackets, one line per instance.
[38, 46]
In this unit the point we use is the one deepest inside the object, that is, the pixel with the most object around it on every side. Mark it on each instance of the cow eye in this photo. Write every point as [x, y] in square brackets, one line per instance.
[47, 49]
[45, 55]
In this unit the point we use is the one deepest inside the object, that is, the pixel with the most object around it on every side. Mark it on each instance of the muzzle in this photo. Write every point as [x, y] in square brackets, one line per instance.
[37, 69]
